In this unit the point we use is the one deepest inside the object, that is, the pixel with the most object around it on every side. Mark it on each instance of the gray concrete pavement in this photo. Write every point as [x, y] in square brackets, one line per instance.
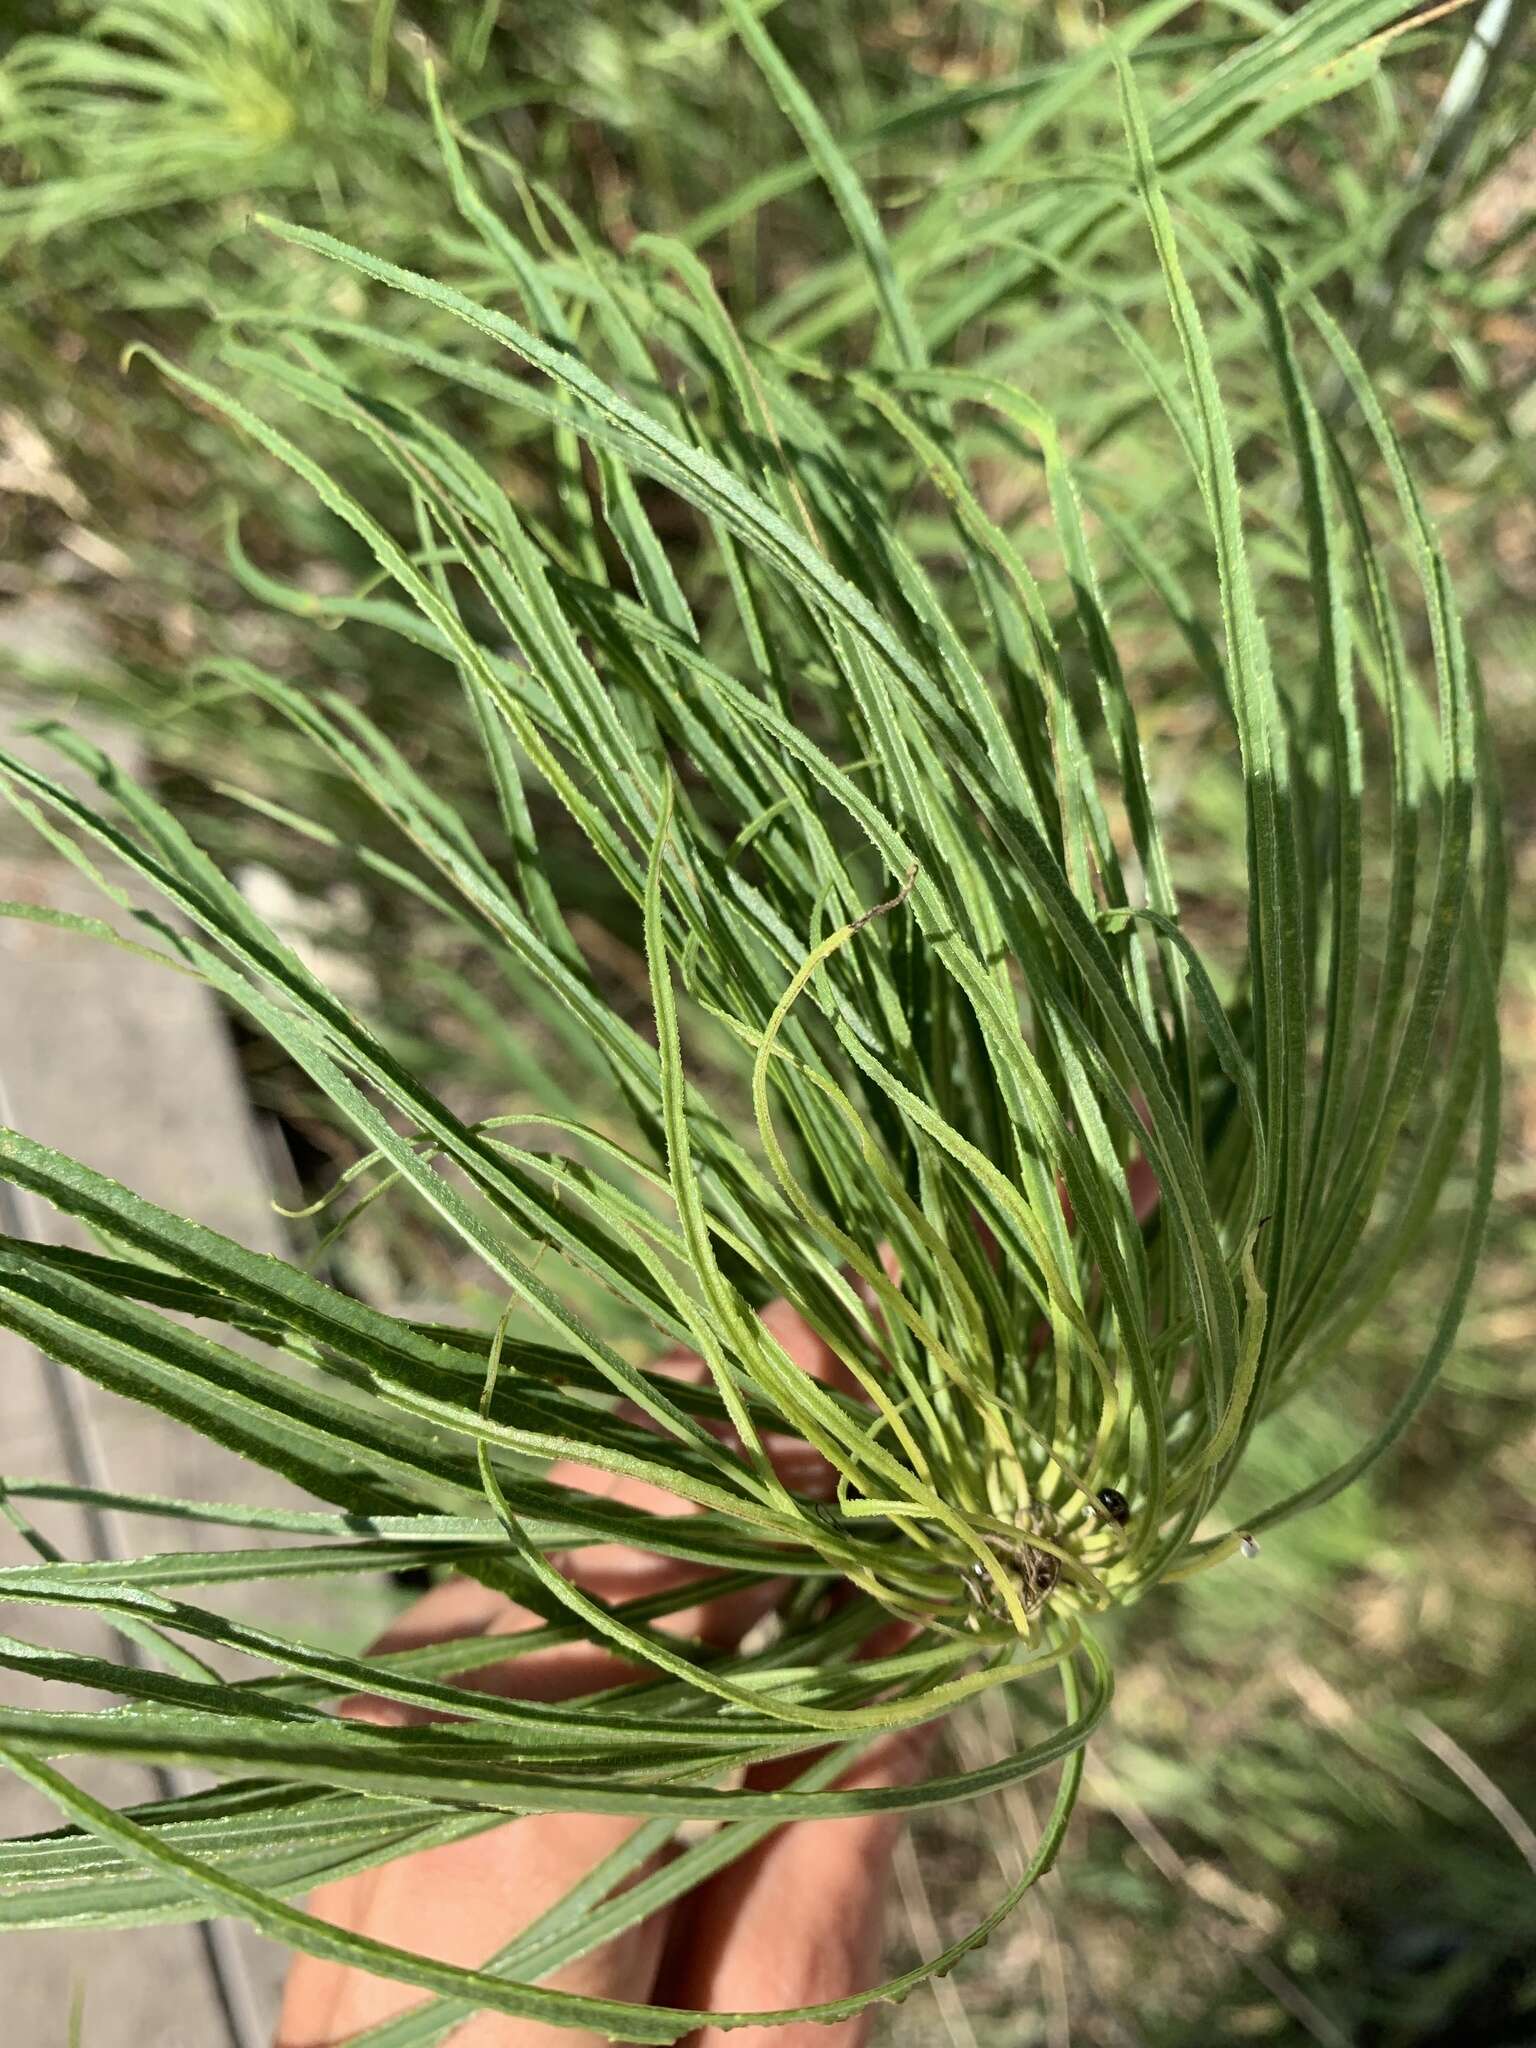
[131, 1069]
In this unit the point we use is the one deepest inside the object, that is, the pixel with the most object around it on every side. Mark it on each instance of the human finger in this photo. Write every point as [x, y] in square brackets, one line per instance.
[799, 1920]
[464, 1900]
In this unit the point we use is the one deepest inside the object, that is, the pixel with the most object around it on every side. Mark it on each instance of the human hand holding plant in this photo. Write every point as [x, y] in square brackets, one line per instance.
[797, 1921]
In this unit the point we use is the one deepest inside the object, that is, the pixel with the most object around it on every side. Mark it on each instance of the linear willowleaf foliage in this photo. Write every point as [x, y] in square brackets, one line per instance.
[1077, 1183]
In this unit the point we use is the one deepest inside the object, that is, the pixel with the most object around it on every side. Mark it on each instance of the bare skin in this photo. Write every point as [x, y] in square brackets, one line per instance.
[796, 1922]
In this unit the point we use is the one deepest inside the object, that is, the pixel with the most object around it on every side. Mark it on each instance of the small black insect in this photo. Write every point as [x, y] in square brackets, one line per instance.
[1115, 1504]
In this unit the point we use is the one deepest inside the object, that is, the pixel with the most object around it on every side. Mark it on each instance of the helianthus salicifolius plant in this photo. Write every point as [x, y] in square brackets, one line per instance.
[1076, 1180]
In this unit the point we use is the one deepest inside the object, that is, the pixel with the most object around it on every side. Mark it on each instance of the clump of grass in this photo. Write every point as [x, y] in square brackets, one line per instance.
[156, 103]
[1078, 1201]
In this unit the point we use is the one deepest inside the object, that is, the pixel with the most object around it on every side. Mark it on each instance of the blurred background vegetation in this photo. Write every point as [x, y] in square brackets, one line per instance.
[1311, 1820]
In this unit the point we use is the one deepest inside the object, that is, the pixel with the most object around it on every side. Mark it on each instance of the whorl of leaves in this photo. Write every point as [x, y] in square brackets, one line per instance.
[877, 787]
